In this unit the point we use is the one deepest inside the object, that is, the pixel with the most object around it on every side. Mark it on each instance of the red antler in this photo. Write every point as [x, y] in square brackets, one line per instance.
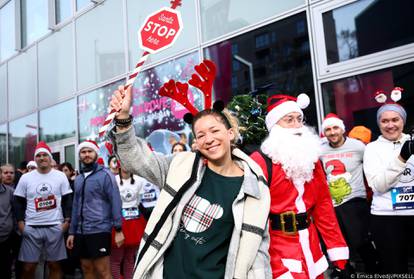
[175, 3]
[178, 91]
[109, 147]
[207, 71]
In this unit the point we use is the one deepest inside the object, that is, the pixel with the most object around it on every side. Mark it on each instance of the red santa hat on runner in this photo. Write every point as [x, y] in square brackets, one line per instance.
[43, 147]
[89, 144]
[280, 105]
[331, 120]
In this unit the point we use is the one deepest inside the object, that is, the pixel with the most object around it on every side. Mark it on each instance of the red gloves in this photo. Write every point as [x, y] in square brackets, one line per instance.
[340, 264]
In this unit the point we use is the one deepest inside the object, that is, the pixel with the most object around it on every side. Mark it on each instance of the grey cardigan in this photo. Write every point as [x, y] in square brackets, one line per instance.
[248, 255]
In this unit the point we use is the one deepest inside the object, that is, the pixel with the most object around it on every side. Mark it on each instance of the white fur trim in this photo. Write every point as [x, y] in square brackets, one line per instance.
[381, 98]
[396, 95]
[332, 121]
[39, 150]
[279, 111]
[31, 164]
[307, 252]
[293, 265]
[286, 275]
[321, 265]
[339, 253]
[88, 145]
[313, 268]
[303, 100]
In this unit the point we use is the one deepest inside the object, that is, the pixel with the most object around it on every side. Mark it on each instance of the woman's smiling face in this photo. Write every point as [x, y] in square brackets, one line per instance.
[213, 138]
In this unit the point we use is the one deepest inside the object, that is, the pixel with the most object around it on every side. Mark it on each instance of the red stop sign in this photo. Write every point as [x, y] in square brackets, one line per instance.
[160, 30]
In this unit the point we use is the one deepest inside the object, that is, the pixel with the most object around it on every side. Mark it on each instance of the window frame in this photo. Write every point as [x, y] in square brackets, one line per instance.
[377, 59]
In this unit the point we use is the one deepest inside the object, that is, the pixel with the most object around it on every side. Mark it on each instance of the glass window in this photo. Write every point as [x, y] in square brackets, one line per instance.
[281, 66]
[219, 17]
[3, 93]
[160, 119]
[367, 26]
[100, 54]
[70, 154]
[93, 108]
[262, 40]
[34, 20]
[63, 10]
[80, 4]
[22, 95]
[136, 16]
[22, 139]
[56, 77]
[3, 144]
[51, 120]
[7, 30]
[352, 98]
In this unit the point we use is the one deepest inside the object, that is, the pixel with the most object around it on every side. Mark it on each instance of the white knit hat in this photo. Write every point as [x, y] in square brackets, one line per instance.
[280, 105]
[31, 164]
[89, 144]
[331, 119]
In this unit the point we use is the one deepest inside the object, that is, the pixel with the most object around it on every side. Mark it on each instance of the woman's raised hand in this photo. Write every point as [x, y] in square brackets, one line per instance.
[121, 102]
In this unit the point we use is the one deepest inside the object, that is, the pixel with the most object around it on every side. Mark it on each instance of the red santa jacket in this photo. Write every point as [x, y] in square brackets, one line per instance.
[300, 255]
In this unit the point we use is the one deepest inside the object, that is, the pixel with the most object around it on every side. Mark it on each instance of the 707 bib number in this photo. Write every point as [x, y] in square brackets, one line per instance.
[402, 197]
[405, 197]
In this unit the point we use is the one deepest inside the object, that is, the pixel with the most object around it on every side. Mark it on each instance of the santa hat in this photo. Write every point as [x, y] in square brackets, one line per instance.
[331, 119]
[280, 105]
[89, 144]
[43, 147]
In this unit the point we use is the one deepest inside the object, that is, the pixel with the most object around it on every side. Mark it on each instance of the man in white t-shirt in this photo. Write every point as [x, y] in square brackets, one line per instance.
[342, 161]
[43, 200]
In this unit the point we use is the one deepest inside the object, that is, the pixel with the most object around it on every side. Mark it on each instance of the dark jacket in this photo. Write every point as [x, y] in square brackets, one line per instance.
[96, 204]
[6, 212]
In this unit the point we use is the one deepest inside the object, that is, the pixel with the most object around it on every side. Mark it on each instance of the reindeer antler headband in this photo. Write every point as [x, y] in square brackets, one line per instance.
[203, 80]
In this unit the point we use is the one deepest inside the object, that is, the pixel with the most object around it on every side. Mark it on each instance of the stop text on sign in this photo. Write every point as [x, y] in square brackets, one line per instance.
[160, 30]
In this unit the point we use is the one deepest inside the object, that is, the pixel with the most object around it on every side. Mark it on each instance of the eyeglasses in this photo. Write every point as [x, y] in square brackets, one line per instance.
[290, 120]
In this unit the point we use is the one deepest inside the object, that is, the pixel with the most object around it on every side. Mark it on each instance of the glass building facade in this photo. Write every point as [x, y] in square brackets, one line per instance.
[60, 61]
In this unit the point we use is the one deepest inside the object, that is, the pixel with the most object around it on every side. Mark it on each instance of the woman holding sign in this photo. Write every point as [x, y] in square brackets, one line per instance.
[387, 169]
[210, 220]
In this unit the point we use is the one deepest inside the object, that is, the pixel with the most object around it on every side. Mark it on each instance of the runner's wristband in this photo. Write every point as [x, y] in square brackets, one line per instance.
[118, 229]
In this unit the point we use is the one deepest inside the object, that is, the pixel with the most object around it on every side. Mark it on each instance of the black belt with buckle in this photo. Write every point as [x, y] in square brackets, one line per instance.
[289, 222]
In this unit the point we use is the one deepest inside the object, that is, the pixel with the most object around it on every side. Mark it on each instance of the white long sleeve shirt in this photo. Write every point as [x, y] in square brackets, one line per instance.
[382, 170]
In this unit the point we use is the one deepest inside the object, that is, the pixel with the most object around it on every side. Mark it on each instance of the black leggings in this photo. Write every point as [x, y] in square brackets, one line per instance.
[393, 236]
[354, 221]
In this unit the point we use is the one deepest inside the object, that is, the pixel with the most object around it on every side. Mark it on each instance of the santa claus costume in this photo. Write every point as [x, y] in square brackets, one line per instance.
[300, 201]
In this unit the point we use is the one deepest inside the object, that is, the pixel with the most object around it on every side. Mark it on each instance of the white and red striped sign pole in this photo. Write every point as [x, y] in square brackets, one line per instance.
[129, 82]
[160, 30]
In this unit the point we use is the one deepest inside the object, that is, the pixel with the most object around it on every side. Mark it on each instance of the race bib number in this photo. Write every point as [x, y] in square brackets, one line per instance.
[47, 203]
[402, 197]
[130, 213]
[149, 196]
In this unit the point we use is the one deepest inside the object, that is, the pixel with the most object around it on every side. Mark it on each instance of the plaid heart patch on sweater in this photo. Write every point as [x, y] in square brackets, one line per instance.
[199, 214]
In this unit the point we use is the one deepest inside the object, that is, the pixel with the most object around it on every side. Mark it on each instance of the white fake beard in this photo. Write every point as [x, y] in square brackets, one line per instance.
[296, 149]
